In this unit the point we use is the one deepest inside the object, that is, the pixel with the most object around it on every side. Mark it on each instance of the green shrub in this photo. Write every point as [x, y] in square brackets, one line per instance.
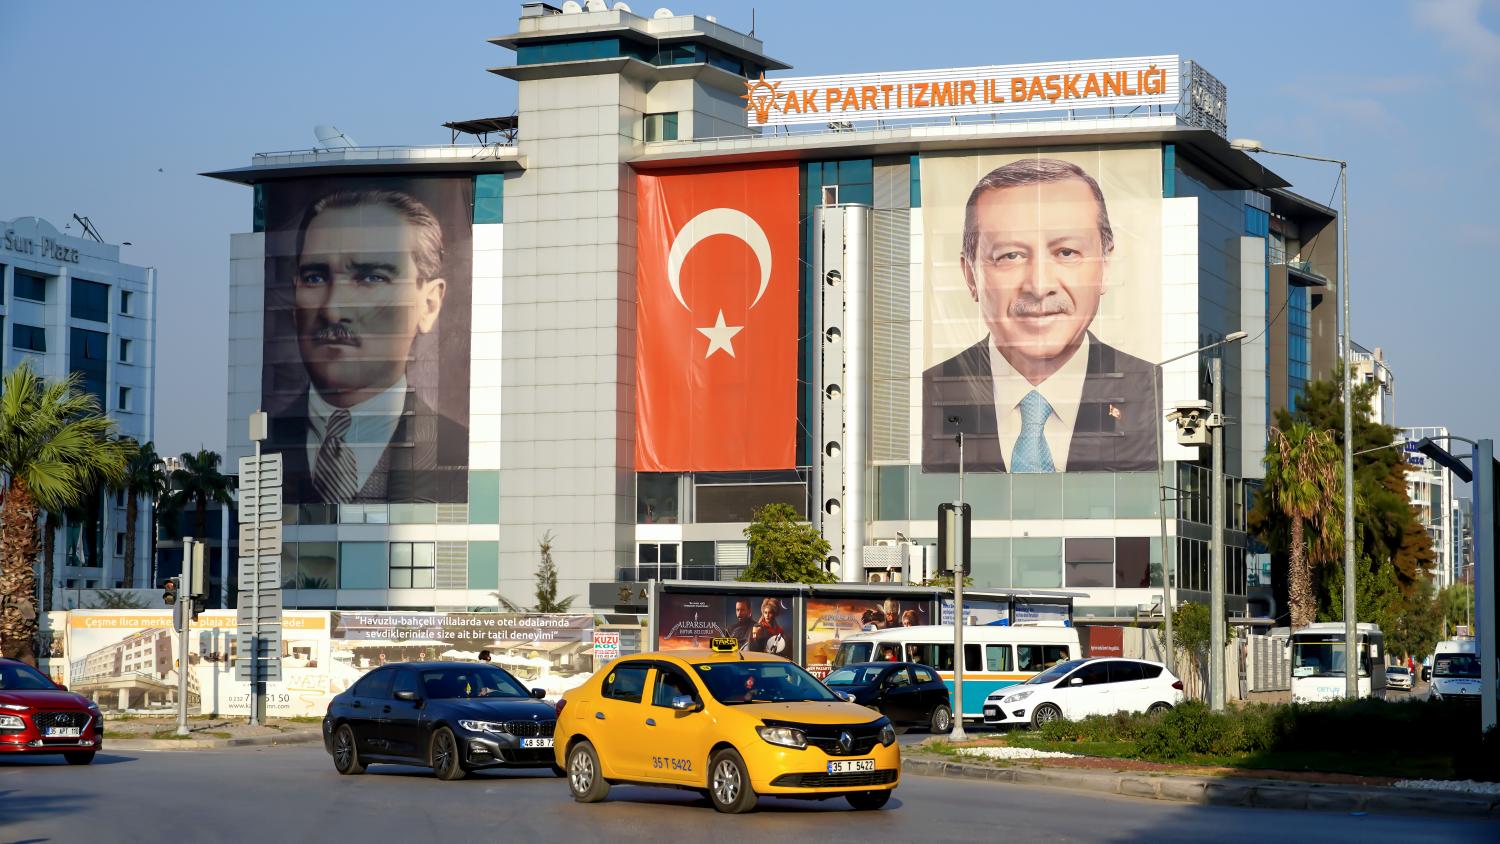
[1191, 728]
[1479, 760]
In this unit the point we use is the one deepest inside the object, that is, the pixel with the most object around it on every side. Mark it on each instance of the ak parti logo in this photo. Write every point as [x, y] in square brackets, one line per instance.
[760, 97]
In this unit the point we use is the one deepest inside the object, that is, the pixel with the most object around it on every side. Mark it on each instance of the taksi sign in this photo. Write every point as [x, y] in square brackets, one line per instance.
[952, 92]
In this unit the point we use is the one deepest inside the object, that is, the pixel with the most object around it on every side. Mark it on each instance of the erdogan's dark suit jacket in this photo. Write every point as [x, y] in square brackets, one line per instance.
[425, 461]
[1114, 431]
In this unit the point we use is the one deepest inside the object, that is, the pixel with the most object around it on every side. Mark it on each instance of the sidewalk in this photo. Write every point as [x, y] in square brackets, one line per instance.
[1226, 791]
[193, 743]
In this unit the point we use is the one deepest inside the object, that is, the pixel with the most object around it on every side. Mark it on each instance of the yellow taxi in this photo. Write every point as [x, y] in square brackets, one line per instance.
[728, 724]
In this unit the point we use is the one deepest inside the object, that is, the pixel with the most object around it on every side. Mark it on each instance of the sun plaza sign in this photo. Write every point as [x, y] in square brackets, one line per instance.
[952, 92]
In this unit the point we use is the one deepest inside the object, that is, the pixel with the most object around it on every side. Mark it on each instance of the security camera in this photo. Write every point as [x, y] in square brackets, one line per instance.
[1195, 419]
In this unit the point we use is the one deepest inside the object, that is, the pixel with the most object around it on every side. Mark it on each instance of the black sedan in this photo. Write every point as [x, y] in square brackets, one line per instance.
[454, 717]
[907, 693]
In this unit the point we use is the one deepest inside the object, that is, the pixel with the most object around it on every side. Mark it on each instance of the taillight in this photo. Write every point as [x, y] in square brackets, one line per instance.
[1176, 684]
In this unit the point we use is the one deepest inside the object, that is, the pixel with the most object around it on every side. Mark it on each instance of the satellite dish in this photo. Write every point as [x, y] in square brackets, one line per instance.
[571, 7]
[596, 6]
[621, 7]
[710, 18]
[330, 137]
[663, 12]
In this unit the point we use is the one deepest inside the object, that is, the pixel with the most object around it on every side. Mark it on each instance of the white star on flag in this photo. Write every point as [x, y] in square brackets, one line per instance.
[720, 336]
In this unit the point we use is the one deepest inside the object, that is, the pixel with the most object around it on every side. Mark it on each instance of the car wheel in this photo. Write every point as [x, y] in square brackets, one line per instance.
[1158, 708]
[1045, 714]
[82, 757]
[346, 752]
[729, 783]
[942, 719]
[868, 801]
[585, 777]
[442, 754]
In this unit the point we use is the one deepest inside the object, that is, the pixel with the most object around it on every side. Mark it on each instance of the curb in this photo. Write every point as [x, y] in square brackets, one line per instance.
[211, 744]
[1256, 793]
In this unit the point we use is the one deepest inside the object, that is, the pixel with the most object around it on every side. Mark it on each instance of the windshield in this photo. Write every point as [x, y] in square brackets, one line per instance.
[1456, 665]
[852, 652]
[1395, 670]
[761, 682]
[1055, 673]
[854, 676]
[15, 677]
[1322, 659]
[470, 681]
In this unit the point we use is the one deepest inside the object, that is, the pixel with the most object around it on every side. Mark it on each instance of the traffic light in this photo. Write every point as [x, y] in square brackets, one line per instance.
[197, 606]
[169, 591]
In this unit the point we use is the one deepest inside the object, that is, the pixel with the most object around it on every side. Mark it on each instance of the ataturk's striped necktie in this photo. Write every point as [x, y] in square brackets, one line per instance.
[336, 476]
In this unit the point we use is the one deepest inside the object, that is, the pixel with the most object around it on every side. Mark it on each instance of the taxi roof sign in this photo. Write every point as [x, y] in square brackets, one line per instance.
[723, 644]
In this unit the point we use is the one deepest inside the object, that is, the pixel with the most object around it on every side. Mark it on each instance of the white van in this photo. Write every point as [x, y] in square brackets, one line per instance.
[995, 656]
[1455, 670]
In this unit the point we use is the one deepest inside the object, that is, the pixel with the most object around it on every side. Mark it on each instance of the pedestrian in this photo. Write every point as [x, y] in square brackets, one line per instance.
[484, 656]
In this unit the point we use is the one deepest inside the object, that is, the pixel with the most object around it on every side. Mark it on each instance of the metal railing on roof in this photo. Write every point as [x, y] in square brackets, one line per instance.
[383, 153]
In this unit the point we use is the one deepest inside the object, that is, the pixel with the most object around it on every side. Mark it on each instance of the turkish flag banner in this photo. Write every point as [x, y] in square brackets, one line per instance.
[716, 319]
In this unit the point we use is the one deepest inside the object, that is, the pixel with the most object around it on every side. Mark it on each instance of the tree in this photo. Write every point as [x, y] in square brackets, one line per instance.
[145, 476]
[784, 549]
[198, 482]
[1299, 511]
[1191, 637]
[1454, 606]
[55, 445]
[546, 584]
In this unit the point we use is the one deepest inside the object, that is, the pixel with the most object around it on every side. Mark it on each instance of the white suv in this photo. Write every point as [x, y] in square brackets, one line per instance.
[1079, 688]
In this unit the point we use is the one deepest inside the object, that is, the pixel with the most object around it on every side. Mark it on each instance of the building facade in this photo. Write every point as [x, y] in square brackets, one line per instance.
[1430, 490]
[603, 346]
[71, 306]
[1370, 367]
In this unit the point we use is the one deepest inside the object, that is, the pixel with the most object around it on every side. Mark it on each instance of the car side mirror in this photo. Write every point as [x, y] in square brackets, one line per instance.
[1076, 681]
[686, 703]
[538, 693]
[408, 695]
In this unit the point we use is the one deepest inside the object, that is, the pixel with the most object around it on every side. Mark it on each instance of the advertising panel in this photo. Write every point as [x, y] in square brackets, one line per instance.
[829, 620]
[761, 623]
[981, 612]
[366, 355]
[1043, 310]
[716, 354]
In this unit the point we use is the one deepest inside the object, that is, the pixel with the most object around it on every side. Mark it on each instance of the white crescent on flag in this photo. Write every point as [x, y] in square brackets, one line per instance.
[726, 221]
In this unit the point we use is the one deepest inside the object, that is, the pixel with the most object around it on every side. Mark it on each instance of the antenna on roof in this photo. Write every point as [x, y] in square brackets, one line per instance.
[88, 227]
[752, 21]
[331, 137]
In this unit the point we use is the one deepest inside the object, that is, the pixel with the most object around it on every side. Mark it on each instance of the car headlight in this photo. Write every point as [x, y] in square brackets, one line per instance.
[887, 735]
[11, 722]
[784, 736]
[14, 707]
[481, 726]
[1019, 696]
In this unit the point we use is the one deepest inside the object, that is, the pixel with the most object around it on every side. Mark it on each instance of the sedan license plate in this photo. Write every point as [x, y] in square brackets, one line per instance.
[64, 732]
[536, 742]
[853, 766]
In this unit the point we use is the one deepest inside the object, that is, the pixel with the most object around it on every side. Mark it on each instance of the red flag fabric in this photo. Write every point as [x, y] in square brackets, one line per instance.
[716, 319]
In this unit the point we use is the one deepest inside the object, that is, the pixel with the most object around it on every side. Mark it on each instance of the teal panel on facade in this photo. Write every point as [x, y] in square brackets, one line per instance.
[362, 565]
[489, 198]
[991, 563]
[1036, 496]
[484, 565]
[484, 498]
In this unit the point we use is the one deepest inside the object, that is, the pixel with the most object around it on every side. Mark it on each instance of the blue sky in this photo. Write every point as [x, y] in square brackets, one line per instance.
[112, 109]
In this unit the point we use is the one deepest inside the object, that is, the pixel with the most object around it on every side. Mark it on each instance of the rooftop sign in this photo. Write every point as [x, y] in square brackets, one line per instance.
[952, 92]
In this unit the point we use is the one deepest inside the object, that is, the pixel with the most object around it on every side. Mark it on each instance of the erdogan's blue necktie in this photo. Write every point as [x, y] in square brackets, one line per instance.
[1031, 453]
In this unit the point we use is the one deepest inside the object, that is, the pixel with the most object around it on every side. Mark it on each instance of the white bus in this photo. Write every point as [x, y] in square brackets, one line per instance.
[994, 656]
[1318, 662]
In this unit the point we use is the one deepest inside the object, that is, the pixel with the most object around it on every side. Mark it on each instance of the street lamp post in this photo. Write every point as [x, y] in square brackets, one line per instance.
[1351, 635]
[1169, 657]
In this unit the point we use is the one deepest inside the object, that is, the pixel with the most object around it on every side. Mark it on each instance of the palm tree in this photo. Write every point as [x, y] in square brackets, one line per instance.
[145, 476]
[198, 482]
[55, 446]
[1305, 487]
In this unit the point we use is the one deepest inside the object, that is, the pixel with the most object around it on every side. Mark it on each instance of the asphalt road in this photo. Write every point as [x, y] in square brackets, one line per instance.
[291, 794]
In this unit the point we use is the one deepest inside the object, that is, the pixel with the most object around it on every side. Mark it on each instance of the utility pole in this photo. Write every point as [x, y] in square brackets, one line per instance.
[184, 610]
[961, 566]
[1216, 551]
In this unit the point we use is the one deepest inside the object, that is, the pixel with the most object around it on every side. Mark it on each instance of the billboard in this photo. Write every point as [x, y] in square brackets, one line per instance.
[761, 623]
[1043, 309]
[829, 620]
[716, 309]
[366, 344]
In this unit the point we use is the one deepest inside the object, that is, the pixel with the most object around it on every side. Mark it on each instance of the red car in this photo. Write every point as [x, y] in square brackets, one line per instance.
[39, 716]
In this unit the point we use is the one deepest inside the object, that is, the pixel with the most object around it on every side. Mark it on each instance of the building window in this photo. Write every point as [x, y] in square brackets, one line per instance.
[656, 498]
[125, 303]
[119, 543]
[411, 565]
[1298, 343]
[661, 127]
[28, 337]
[124, 350]
[489, 198]
[119, 498]
[124, 402]
[88, 355]
[362, 565]
[28, 286]
[90, 301]
[656, 561]
[1133, 562]
[1089, 562]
